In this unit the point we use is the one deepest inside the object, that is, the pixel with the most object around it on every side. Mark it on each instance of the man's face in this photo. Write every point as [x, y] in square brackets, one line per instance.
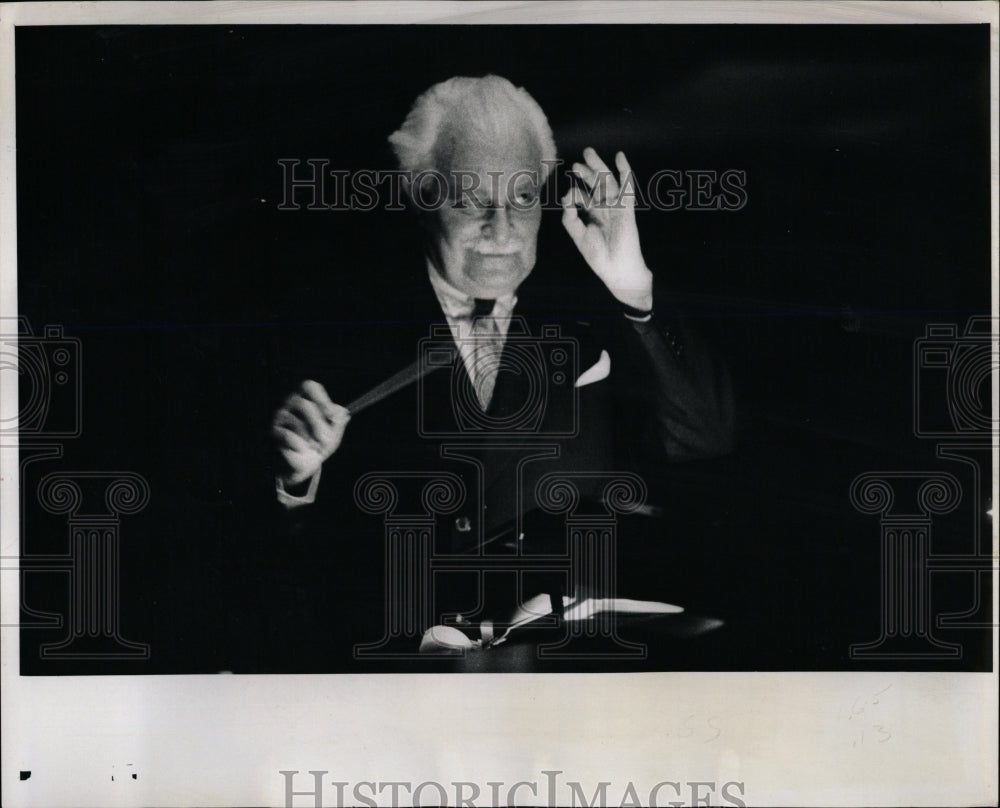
[483, 239]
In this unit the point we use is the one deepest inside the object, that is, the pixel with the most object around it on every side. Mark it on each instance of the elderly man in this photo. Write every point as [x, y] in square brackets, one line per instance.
[478, 152]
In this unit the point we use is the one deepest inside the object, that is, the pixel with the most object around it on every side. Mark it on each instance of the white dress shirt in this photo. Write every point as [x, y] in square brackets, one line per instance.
[458, 307]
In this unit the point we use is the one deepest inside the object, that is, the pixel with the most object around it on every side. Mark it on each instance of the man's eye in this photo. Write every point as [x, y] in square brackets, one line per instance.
[468, 204]
[525, 198]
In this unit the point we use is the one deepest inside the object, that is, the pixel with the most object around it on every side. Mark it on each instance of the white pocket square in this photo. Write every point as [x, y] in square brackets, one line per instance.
[599, 370]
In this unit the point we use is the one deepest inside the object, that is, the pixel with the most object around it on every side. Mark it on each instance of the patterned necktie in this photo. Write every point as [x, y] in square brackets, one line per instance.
[487, 347]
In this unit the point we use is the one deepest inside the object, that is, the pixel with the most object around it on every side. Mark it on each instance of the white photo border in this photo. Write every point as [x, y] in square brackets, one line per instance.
[222, 740]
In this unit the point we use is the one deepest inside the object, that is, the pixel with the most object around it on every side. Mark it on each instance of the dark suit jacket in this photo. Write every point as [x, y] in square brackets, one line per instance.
[665, 399]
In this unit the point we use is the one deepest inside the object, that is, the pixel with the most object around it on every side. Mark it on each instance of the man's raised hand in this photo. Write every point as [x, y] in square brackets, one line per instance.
[307, 429]
[606, 234]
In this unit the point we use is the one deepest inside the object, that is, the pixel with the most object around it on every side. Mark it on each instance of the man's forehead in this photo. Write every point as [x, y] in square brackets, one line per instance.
[466, 149]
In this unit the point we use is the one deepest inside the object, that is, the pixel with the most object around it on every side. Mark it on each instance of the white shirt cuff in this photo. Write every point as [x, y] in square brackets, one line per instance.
[292, 501]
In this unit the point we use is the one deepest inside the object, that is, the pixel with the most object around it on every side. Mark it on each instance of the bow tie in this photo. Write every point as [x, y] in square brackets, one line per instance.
[482, 307]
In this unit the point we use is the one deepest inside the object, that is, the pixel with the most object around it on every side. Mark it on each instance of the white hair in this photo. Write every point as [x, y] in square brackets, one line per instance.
[491, 106]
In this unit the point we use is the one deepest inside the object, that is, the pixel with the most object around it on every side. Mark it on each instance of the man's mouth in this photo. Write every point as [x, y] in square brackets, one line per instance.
[496, 252]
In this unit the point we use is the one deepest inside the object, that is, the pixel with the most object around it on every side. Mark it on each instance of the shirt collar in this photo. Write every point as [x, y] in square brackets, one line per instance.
[457, 305]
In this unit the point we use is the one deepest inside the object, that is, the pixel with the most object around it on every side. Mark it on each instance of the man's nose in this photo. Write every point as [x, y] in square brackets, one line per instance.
[498, 225]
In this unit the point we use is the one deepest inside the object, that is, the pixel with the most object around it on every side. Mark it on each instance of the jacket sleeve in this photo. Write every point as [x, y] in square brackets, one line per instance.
[689, 388]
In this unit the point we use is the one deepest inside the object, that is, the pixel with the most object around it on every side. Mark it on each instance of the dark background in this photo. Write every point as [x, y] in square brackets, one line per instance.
[148, 227]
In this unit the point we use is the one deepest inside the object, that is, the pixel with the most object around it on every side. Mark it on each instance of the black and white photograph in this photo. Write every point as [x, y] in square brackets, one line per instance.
[411, 349]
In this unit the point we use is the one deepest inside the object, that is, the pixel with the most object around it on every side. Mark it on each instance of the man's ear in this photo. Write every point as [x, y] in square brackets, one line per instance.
[414, 200]
[418, 205]
[407, 185]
